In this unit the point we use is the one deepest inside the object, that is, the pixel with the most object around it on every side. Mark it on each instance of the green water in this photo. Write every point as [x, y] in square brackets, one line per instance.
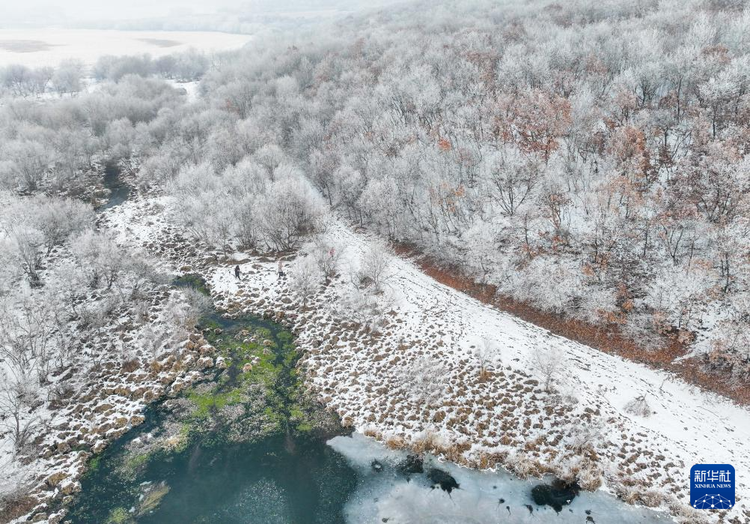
[239, 447]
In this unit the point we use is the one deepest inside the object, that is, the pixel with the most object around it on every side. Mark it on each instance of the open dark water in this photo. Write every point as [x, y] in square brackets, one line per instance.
[265, 483]
[261, 483]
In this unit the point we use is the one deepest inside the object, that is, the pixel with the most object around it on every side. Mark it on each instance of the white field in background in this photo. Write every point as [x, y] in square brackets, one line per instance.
[88, 45]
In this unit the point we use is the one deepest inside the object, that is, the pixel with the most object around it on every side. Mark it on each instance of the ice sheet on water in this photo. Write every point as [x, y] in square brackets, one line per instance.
[388, 496]
[360, 451]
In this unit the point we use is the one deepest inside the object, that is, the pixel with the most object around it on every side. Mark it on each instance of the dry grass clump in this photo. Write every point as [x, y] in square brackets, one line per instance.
[372, 433]
[455, 451]
[395, 442]
[16, 503]
[589, 477]
[525, 466]
[683, 513]
[428, 442]
[487, 460]
[652, 498]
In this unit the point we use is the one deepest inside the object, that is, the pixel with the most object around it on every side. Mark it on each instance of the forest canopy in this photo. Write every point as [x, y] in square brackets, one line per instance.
[598, 177]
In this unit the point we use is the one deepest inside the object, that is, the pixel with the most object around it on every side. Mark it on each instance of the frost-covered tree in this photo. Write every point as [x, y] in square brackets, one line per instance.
[550, 364]
[424, 380]
[17, 399]
[24, 163]
[291, 211]
[99, 258]
[327, 255]
[57, 219]
[305, 278]
[26, 245]
[487, 355]
[68, 76]
[23, 81]
[375, 266]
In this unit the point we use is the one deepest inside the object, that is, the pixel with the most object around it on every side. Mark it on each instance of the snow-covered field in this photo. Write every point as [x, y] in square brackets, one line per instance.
[582, 430]
[47, 47]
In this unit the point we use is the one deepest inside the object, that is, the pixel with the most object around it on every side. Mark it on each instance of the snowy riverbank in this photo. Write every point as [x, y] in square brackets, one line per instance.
[429, 335]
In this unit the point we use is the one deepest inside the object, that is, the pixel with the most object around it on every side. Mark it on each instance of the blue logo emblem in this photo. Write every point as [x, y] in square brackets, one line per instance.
[712, 486]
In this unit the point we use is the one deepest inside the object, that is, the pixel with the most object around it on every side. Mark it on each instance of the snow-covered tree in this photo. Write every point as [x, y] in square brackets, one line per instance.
[375, 266]
[305, 278]
[550, 364]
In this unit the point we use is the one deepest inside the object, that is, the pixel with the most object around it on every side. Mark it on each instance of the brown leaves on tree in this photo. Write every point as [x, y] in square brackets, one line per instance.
[535, 121]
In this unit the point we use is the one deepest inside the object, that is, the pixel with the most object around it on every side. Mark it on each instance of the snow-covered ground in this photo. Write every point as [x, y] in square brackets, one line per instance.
[48, 47]
[507, 418]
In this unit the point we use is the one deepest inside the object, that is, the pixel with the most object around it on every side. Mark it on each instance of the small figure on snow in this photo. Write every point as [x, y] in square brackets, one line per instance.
[281, 269]
[237, 272]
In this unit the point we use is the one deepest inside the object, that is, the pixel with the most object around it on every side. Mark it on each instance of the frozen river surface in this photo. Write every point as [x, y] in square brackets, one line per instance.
[382, 495]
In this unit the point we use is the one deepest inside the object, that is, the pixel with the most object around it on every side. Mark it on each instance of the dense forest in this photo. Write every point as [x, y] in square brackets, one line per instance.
[588, 158]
